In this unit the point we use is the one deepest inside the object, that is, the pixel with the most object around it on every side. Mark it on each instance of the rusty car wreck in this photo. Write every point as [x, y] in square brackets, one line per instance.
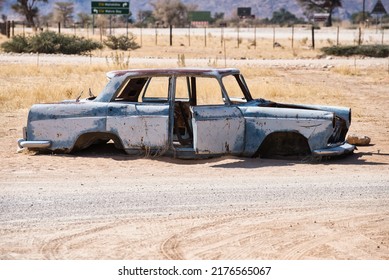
[187, 113]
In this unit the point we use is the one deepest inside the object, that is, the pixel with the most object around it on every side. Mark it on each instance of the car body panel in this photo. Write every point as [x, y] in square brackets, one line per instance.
[218, 130]
[138, 125]
[63, 123]
[260, 122]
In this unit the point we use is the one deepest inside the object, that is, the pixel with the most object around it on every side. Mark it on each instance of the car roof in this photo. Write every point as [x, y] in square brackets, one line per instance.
[173, 71]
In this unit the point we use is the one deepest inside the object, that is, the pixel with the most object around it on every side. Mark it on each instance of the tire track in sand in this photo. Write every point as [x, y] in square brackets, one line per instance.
[53, 248]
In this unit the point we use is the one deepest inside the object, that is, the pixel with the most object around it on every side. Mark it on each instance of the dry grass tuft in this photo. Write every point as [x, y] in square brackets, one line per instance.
[347, 70]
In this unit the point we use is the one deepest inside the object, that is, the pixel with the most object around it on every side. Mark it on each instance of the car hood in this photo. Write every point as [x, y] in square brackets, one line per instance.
[342, 112]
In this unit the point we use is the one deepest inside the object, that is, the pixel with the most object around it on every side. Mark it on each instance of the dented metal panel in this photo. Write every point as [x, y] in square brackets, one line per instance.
[139, 126]
[62, 124]
[315, 126]
[218, 130]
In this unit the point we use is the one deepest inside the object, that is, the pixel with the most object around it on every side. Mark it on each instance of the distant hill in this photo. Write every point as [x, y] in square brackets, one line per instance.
[260, 8]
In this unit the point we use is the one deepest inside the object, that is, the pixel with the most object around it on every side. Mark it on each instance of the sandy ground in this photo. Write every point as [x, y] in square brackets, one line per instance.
[103, 204]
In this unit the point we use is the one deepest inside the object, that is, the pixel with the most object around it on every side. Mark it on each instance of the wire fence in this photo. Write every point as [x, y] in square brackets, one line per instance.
[290, 37]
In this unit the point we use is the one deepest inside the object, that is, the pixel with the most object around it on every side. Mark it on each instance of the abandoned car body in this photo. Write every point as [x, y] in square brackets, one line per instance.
[187, 113]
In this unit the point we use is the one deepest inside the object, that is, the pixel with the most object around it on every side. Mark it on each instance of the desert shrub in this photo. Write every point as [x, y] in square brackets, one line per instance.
[18, 44]
[123, 42]
[76, 45]
[45, 42]
[50, 42]
[364, 50]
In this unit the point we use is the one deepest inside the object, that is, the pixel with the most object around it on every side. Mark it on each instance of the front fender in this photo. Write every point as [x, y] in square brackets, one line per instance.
[315, 126]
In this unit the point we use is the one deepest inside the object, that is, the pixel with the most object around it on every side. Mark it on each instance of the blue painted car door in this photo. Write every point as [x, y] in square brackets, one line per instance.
[218, 129]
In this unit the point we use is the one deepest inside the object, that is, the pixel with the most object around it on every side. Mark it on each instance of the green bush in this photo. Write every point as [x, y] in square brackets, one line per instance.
[18, 44]
[123, 43]
[363, 50]
[50, 42]
[45, 42]
[77, 45]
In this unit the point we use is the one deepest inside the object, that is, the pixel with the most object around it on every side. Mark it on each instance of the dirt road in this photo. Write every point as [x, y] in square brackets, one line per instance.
[103, 204]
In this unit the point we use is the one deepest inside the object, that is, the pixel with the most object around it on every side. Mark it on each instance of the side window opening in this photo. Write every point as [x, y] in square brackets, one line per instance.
[235, 89]
[156, 90]
[131, 91]
[183, 89]
[145, 89]
[208, 92]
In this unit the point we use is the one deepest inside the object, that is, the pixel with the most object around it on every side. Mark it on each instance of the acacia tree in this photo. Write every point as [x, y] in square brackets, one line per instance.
[145, 18]
[170, 12]
[28, 9]
[64, 12]
[84, 19]
[284, 17]
[327, 6]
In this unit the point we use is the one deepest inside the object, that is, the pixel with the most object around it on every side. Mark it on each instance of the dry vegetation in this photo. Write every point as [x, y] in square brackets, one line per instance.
[24, 85]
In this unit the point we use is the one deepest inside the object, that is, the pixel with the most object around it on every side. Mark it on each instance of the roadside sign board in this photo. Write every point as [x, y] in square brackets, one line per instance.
[379, 9]
[199, 16]
[244, 12]
[110, 8]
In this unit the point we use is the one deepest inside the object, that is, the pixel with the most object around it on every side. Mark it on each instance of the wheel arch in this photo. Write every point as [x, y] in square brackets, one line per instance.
[89, 138]
[284, 143]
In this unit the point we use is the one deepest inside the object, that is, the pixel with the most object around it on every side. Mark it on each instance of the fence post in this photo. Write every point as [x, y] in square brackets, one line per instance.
[205, 36]
[221, 36]
[110, 24]
[237, 37]
[225, 53]
[156, 36]
[13, 28]
[382, 39]
[189, 35]
[313, 37]
[59, 28]
[292, 36]
[337, 36]
[93, 24]
[171, 35]
[255, 37]
[141, 36]
[8, 28]
[359, 36]
[274, 36]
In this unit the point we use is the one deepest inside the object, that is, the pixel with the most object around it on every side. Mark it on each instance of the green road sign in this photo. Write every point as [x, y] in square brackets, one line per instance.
[199, 16]
[110, 8]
